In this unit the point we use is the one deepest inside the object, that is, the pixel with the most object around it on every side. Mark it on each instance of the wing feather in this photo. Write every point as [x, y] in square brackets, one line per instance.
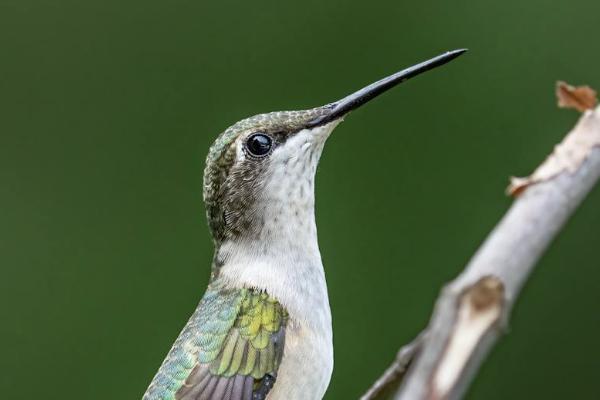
[230, 349]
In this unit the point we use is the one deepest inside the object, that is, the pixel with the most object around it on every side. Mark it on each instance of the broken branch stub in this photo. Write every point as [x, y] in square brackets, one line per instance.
[581, 98]
[575, 147]
[480, 309]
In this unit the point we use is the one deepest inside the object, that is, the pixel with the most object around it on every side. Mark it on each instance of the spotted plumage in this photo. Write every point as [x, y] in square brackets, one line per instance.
[227, 192]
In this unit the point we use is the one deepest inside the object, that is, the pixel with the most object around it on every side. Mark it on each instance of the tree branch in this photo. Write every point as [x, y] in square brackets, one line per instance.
[389, 382]
[472, 310]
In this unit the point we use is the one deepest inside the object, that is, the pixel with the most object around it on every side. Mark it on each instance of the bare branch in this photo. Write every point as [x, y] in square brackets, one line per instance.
[472, 310]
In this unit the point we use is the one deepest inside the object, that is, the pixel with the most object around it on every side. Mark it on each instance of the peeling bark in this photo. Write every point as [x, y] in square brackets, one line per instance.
[472, 310]
[479, 310]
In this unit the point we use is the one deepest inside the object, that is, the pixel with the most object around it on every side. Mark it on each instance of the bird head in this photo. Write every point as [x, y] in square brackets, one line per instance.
[259, 176]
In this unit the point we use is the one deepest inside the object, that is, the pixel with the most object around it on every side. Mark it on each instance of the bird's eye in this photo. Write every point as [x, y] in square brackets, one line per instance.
[259, 144]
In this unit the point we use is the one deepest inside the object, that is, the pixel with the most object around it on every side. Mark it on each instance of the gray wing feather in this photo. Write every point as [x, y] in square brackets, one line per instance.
[202, 385]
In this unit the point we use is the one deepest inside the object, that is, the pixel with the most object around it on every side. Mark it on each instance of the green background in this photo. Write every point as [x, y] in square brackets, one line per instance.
[107, 109]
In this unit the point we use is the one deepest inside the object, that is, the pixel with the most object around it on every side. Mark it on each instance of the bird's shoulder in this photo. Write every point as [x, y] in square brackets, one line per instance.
[231, 348]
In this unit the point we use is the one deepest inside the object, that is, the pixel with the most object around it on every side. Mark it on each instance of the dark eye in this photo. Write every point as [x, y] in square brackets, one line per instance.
[259, 144]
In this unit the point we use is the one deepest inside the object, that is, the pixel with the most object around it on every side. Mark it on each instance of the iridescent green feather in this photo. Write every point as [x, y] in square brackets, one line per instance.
[232, 332]
[250, 347]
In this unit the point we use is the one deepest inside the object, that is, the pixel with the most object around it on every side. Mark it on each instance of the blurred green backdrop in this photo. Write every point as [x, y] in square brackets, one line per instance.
[107, 109]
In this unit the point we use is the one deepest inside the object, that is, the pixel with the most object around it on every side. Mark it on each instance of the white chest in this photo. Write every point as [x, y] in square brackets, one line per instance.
[297, 281]
[281, 256]
[307, 365]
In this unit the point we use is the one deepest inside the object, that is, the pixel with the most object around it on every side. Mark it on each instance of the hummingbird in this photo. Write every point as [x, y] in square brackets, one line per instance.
[262, 330]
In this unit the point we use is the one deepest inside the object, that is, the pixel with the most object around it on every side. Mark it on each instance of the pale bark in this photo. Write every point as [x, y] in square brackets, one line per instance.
[473, 309]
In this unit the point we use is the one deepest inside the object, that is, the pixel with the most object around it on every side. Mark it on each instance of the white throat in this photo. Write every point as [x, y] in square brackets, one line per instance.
[284, 259]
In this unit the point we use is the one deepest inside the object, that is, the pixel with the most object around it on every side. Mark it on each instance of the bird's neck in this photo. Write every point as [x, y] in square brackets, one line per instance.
[284, 260]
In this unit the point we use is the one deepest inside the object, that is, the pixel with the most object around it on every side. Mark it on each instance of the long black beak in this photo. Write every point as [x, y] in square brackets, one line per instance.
[360, 97]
